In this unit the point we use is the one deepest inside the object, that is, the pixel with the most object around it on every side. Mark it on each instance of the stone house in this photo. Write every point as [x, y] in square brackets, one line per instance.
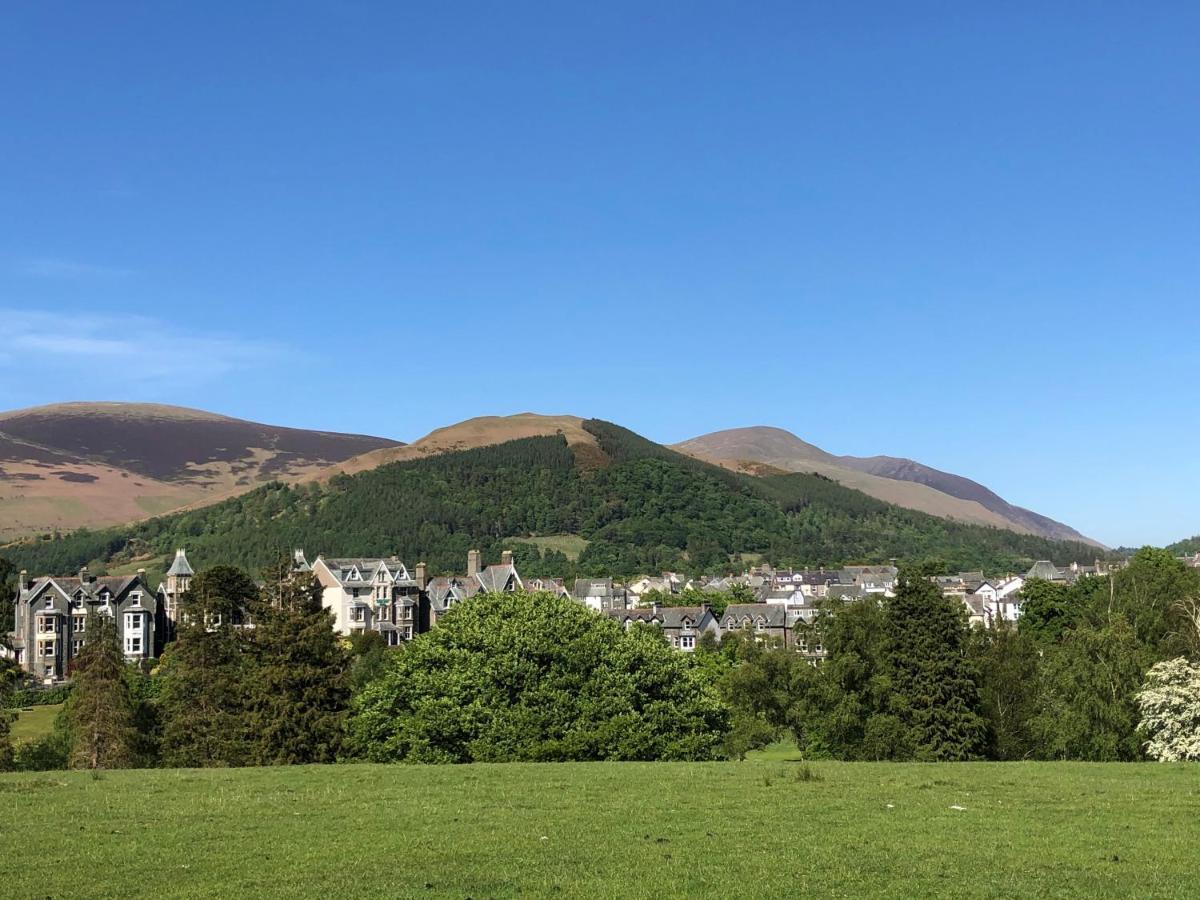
[53, 613]
[448, 590]
[682, 626]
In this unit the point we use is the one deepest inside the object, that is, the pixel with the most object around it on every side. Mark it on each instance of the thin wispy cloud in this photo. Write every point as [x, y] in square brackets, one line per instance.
[68, 269]
[83, 352]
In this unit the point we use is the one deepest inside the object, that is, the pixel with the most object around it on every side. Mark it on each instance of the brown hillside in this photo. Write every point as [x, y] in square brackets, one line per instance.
[93, 464]
[479, 432]
[902, 482]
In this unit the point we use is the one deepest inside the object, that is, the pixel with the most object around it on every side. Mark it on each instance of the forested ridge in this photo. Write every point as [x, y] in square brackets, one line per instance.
[642, 507]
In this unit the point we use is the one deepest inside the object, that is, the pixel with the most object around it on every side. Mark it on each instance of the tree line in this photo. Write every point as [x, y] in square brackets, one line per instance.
[1106, 669]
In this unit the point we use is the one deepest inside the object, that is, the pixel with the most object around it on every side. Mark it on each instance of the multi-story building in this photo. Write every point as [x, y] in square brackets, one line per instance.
[448, 590]
[53, 615]
[682, 626]
[373, 594]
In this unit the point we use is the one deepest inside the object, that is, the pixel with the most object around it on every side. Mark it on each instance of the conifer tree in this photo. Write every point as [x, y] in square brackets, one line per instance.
[207, 671]
[935, 693]
[300, 693]
[9, 674]
[100, 711]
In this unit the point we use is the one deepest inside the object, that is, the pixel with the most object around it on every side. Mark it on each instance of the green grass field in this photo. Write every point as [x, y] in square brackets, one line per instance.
[569, 545]
[35, 722]
[757, 828]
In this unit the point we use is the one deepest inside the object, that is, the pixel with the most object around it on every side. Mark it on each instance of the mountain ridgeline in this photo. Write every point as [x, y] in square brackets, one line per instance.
[903, 482]
[636, 505]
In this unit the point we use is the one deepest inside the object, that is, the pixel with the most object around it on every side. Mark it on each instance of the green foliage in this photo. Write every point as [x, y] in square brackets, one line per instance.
[718, 601]
[1188, 547]
[369, 654]
[935, 694]
[48, 753]
[648, 509]
[536, 677]
[207, 676]
[40, 696]
[9, 676]
[300, 689]
[8, 574]
[1008, 662]
[1048, 608]
[1087, 704]
[100, 712]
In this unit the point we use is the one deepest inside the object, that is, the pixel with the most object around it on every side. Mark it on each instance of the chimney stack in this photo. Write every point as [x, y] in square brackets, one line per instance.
[83, 573]
[23, 580]
[506, 558]
[422, 573]
[473, 566]
[141, 573]
[655, 607]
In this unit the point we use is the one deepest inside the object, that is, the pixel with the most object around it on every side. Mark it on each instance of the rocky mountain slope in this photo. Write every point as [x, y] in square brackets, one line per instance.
[903, 482]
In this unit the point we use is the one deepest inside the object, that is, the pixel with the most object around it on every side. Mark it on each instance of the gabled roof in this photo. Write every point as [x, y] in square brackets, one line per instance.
[367, 569]
[670, 617]
[499, 578]
[772, 615]
[90, 588]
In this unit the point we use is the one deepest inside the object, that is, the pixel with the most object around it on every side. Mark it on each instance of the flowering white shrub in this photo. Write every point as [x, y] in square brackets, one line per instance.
[1170, 706]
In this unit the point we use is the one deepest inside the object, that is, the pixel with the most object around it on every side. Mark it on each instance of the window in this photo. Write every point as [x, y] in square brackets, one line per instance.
[49, 604]
[687, 642]
[760, 625]
[133, 621]
[76, 647]
[358, 614]
[47, 648]
[133, 645]
[79, 623]
[47, 625]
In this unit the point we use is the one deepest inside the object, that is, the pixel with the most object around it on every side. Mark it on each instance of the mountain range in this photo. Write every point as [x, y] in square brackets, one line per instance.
[93, 465]
[903, 482]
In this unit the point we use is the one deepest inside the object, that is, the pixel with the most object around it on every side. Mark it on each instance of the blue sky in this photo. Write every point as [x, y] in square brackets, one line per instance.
[964, 233]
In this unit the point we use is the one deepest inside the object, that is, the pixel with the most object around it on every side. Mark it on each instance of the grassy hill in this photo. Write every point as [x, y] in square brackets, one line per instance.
[75, 465]
[637, 505]
[760, 828]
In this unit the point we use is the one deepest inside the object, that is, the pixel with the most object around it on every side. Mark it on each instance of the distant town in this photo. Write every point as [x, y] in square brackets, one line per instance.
[383, 595]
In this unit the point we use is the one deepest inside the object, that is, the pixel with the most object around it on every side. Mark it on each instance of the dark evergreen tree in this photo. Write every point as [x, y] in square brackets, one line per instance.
[207, 672]
[100, 712]
[300, 693]
[934, 691]
[9, 676]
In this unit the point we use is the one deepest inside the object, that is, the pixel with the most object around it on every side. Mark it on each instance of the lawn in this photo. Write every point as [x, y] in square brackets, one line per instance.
[35, 722]
[759, 828]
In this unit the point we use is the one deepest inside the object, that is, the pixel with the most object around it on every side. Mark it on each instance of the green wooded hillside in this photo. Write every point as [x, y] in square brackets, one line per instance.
[642, 508]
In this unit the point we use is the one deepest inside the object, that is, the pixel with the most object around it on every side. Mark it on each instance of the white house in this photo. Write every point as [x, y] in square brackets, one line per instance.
[372, 594]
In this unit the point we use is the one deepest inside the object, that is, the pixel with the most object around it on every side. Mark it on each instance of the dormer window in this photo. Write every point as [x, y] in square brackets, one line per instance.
[49, 604]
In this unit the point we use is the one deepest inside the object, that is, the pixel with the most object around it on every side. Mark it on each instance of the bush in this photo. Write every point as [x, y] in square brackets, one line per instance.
[534, 677]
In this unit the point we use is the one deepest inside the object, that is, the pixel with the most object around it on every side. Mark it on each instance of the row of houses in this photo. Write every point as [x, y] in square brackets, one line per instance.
[381, 594]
